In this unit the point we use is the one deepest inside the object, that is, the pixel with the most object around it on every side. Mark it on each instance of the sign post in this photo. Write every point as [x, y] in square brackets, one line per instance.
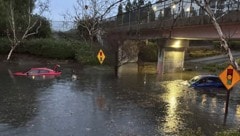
[229, 78]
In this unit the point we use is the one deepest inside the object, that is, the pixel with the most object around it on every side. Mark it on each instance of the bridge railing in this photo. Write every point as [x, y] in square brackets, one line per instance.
[163, 14]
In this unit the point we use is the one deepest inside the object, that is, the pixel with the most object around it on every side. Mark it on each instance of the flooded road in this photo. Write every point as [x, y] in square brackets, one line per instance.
[98, 104]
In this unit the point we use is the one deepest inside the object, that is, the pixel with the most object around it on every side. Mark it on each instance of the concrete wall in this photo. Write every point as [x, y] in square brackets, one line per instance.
[171, 55]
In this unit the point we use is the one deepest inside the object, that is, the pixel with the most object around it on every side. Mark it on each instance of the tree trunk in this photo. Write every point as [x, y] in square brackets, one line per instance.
[223, 40]
[10, 54]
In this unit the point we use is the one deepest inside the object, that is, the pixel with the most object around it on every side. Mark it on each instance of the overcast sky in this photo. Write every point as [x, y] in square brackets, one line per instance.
[58, 8]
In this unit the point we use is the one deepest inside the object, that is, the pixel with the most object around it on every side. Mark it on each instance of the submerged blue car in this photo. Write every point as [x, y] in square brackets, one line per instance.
[205, 81]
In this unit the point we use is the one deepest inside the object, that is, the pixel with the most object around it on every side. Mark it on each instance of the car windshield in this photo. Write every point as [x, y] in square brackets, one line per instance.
[194, 79]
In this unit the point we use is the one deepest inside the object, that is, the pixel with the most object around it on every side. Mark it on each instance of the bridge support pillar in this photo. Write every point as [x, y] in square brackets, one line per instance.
[171, 54]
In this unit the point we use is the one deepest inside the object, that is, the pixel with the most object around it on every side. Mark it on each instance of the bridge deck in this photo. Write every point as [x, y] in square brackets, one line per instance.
[197, 27]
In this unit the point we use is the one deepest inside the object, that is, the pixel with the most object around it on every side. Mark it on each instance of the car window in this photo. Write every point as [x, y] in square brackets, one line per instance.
[214, 79]
[209, 81]
[202, 80]
[43, 71]
[34, 71]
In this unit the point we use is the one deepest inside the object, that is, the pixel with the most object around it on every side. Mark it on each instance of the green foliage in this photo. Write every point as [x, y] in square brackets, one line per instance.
[62, 49]
[20, 11]
[120, 9]
[84, 26]
[214, 67]
[140, 3]
[3, 20]
[216, 44]
[231, 44]
[128, 7]
[148, 53]
[4, 45]
[234, 44]
[167, 12]
[54, 48]
[50, 48]
[120, 14]
[44, 30]
[21, 6]
[135, 12]
[217, 67]
[134, 4]
[151, 12]
[228, 133]
[85, 54]
[193, 12]
[21, 14]
[203, 53]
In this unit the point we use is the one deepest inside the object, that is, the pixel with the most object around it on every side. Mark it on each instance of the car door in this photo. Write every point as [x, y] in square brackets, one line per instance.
[217, 82]
[210, 82]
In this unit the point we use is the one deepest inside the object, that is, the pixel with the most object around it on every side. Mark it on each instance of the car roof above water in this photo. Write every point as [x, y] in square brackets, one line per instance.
[208, 76]
[198, 77]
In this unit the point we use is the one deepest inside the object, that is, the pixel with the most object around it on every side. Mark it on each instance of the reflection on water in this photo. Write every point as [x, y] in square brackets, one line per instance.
[173, 121]
[238, 113]
[97, 103]
[43, 77]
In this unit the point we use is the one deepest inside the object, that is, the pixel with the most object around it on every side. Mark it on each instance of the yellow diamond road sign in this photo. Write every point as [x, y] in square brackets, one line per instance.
[229, 77]
[100, 56]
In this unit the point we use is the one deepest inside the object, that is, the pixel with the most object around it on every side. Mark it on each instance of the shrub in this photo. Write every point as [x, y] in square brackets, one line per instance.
[228, 133]
[203, 53]
[4, 45]
[214, 67]
[55, 48]
[62, 49]
[234, 44]
[50, 48]
[231, 44]
[85, 54]
[148, 53]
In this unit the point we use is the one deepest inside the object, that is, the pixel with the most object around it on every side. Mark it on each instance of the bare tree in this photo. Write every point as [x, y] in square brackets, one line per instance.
[89, 14]
[205, 5]
[16, 33]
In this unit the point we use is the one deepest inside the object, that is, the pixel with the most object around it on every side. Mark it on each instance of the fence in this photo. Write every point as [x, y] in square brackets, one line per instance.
[171, 9]
[62, 26]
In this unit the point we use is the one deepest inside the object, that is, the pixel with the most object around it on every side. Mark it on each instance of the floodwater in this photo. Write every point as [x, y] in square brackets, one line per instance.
[99, 104]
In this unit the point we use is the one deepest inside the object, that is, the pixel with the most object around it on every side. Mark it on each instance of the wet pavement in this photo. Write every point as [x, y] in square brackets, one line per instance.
[99, 104]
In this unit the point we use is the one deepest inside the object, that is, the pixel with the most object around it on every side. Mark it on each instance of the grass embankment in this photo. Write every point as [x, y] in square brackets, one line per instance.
[213, 67]
[199, 53]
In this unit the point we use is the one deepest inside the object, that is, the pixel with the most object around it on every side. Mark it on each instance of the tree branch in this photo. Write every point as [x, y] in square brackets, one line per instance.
[224, 43]
[109, 8]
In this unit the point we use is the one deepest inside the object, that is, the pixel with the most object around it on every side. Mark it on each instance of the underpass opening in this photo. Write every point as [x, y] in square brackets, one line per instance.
[171, 55]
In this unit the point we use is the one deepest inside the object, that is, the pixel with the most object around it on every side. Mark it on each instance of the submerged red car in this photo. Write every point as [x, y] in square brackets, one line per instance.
[40, 72]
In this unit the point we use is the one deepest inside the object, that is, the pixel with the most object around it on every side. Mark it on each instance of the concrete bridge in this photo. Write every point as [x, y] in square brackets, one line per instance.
[192, 28]
[173, 29]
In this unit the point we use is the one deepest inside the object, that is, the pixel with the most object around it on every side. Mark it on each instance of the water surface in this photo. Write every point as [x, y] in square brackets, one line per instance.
[99, 104]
